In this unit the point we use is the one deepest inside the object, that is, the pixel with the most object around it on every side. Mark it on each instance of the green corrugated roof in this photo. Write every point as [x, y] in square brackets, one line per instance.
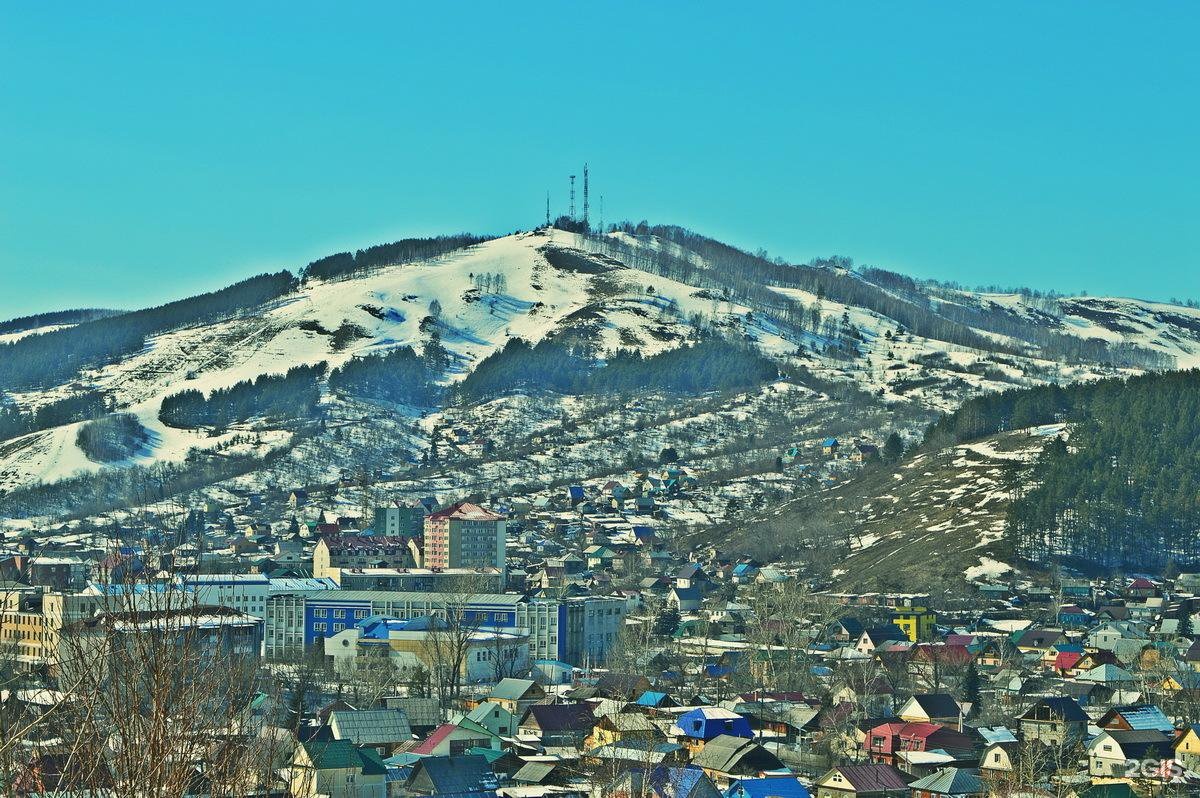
[490, 754]
[332, 754]
[511, 689]
[340, 754]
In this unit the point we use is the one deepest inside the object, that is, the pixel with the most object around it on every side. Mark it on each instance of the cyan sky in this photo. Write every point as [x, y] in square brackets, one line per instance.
[151, 150]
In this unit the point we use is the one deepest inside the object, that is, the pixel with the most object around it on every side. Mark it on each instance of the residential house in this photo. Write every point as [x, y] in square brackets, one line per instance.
[1075, 588]
[1039, 641]
[1065, 662]
[517, 695]
[1187, 748]
[872, 638]
[466, 776]
[662, 782]
[1110, 751]
[1136, 717]
[692, 575]
[726, 758]
[381, 729]
[1140, 588]
[622, 686]
[886, 741]
[1110, 675]
[1091, 659]
[701, 724]
[601, 558]
[862, 781]
[612, 729]
[744, 573]
[1055, 721]
[1000, 757]
[949, 783]
[1112, 612]
[939, 708]
[1073, 616]
[772, 787]
[424, 714]
[989, 654]
[652, 700]
[1109, 636]
[557, 725]
[456, 738]
[862, 452]
[846, 630]
[875, 696]
[685, 599]
[337, 769]
[784, 721]
[495, 718]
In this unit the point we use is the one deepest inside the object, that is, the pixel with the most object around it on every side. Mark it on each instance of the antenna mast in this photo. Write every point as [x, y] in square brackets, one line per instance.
[571, 213]
[585, 195]
[547, 208]
[601, 221]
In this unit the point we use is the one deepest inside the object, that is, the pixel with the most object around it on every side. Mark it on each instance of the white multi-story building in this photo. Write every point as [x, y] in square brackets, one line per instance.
[242, 592]
[577, 630]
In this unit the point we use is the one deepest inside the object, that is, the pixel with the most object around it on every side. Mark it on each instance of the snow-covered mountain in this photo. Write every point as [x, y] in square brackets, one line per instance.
[898, 350]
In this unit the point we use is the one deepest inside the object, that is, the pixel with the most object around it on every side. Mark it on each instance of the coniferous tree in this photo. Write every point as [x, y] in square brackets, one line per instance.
[1123, 493]
[667, 621]
[893, 448]
[971, 687]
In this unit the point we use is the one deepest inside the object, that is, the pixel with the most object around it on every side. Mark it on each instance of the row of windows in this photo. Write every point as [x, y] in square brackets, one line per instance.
[322, 627]
[324, 613]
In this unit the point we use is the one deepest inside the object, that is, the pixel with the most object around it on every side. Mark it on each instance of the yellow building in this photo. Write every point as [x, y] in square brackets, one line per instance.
[916, 622]
[31, 623]
[335, 552]
[1187, 749]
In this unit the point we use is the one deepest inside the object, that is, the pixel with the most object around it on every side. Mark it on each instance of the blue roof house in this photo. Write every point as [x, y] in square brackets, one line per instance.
[655, 700]
[705, 723]
[771, 787]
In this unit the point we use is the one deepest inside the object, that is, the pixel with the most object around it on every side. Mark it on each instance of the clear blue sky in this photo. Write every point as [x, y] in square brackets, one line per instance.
[150, 150]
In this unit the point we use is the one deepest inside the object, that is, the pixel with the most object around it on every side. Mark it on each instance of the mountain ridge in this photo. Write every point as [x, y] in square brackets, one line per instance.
[636, 288]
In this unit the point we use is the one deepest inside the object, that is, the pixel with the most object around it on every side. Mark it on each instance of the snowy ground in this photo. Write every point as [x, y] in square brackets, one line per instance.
[896, 370]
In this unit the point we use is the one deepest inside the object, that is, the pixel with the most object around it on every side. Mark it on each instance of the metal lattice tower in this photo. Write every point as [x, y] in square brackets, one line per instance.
[585, 195]
[547, 208]
[571, 213]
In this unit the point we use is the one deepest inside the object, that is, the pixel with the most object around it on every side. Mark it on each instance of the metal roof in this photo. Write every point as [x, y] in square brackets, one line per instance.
[370, 726]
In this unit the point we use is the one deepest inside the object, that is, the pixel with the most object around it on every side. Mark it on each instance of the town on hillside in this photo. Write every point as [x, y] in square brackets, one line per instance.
[295, 642]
